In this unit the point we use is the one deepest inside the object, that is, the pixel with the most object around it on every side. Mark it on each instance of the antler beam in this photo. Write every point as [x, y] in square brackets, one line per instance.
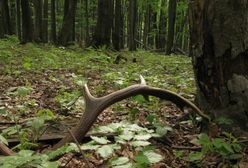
[94, 106]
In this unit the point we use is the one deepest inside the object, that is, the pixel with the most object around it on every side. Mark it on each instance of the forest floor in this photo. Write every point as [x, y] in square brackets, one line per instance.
[38, 80]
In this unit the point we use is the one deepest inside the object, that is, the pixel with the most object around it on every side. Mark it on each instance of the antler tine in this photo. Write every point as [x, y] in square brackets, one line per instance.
[142, 80]
[87, 95]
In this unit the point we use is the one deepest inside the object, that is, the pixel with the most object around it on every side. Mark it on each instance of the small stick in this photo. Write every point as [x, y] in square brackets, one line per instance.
[79, 148]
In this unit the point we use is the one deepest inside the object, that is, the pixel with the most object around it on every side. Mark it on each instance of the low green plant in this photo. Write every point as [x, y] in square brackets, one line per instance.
[127, 135]
[226, 147]
[27, 158]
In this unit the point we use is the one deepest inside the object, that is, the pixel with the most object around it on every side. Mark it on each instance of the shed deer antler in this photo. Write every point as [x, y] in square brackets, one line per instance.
[94, 106]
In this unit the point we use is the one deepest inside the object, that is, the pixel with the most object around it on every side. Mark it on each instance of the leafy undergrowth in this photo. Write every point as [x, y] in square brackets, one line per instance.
[40, 87]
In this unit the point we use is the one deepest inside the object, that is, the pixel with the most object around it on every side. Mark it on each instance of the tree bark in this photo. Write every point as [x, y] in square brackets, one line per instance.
[45, 21]
[171, 25]
[67, 25]
[117, 25]
[53, 22]
[27, 25]
[104, 23]
[6, 26]
[161, 40]
[38, 20]
[18, 19]
[219, 48]
[132, 25]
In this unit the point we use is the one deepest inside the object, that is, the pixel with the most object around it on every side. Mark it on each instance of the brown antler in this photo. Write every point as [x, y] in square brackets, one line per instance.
[4, 150]
[94, 106]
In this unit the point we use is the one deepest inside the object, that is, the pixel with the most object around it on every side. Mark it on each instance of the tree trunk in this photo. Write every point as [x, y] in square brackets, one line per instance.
[132, 25]
[117, 25]
[27, 25]
[38, 20]
[53, 22]
[104, 23]
[6, 26]
[219, 47]
[87, 31]
[18, 19]
[161, 41]
[171, 25]
[67, 26]
[45, 21]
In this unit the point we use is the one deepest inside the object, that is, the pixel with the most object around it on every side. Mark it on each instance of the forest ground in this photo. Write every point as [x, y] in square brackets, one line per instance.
[34, 78]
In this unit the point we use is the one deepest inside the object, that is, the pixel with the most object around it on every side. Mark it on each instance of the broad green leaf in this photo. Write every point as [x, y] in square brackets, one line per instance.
[139, 143]
[126, 135]
[142, 137]
[119, 161]
[152, 156]
[101, 140]
[127, 165]
[105, 151]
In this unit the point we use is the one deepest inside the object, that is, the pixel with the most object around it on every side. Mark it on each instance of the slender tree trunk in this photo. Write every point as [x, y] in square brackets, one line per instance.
[18, 19]
[132, 25]
[220, 57]
[53, 22]
[117, 26]
[45, 21]
[104, 23]
[171, 25]
[27, 25]
[146, 25]
[38, 20]
[67, 26]
[87, 31]
[122, 26]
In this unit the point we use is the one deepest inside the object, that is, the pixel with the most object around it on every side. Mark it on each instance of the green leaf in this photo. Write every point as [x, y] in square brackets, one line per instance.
[196, 156]
[142, 137]
[23, 91]
[126, 135]
[141, 159]
[62, 150]
[102, 140]
[105, 151]
[3, 140]
[139, 98]
[203, 139]
[139, 143]
[127, 165]
[152, 156]
[119, 161]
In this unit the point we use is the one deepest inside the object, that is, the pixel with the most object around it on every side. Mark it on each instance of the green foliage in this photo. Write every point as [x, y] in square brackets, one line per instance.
[27, 158]
[161, 129]
[129, 134]
[225, 147]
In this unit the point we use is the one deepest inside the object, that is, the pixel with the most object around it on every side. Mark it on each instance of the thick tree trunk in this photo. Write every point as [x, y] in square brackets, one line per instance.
[161, 40]
[67, 26]
[104, 23]
[38, 20]
[219, 47]
[132, 25]
[53, 22]
[6, 26]
[171, 25]
[27, 25]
